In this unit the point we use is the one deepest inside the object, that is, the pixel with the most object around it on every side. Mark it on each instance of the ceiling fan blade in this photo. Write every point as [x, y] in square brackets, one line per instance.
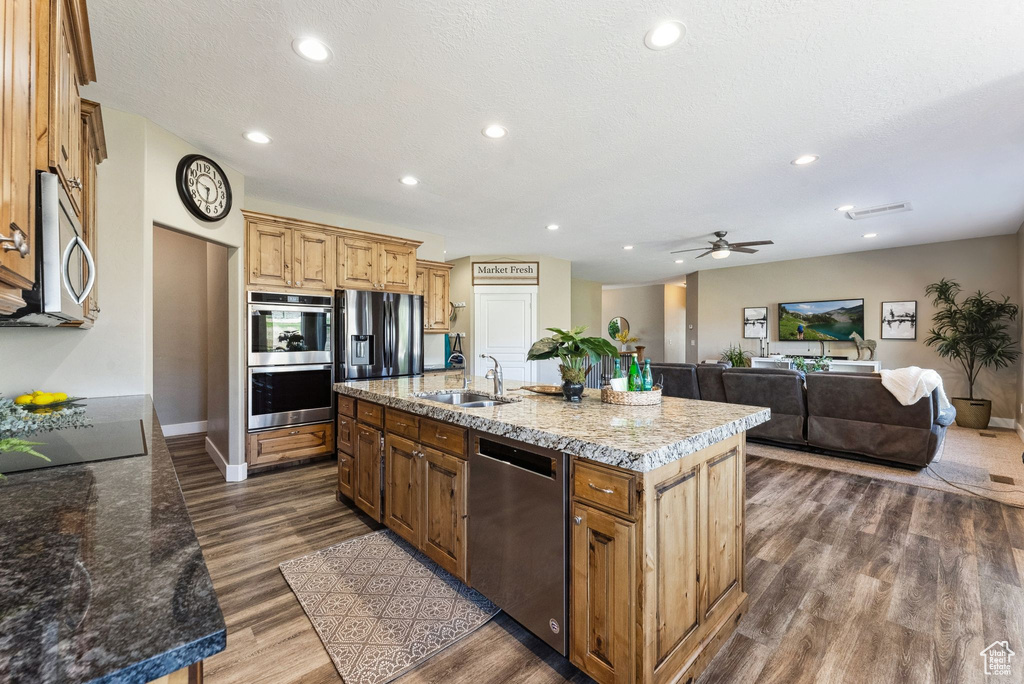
[744, 250]
[704, 254]
[734, 245]
[695, 249]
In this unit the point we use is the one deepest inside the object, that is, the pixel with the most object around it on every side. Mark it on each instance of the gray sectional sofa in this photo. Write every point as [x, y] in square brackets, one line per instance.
[846, 414]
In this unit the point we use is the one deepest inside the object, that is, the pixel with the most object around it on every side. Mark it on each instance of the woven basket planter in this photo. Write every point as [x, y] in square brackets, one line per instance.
[972, 413]
[610, 396]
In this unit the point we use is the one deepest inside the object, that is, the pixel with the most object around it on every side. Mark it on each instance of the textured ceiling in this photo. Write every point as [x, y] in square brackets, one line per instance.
[916, 100]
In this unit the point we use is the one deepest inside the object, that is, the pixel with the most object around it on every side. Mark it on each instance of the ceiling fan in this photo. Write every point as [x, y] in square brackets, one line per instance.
[721, 247]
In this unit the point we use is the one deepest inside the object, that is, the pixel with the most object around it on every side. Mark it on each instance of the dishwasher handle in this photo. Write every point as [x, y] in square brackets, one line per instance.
[538, 464]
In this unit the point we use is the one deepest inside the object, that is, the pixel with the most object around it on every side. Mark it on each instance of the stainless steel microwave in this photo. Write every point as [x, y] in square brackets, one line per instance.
[65, 269]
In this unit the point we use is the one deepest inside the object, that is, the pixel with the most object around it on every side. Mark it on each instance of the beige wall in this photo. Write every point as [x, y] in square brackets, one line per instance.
[179, 328]
[585, 306]
[217, 342]
[644, 308]
[675, 324]
[692, 313]
[988, 264]
[1020, 319]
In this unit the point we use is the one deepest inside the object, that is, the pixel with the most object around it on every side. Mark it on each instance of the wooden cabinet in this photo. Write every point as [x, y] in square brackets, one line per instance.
[402, 489]
[369, 264]
[433, 284]
[366, 470]
[679, 547]
[313, 260]
[273, 447]
[601, 607]
[290, 254]
[18, 146]
[94, 151]
[444, 490]
[345, 474]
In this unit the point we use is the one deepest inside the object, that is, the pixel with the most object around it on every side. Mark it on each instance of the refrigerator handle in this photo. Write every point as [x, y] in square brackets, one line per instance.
[387, 336]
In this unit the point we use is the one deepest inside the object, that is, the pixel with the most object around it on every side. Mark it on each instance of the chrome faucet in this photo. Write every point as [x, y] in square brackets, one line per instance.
[495, 374]
[465, 368]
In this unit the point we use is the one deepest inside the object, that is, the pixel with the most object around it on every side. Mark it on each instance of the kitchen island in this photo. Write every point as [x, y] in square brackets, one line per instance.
[101, 574]
[656, 507]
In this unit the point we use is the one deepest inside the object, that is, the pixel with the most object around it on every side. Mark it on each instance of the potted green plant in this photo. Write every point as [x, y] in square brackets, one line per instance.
[974, 333]
[575, 352]
[737, 356]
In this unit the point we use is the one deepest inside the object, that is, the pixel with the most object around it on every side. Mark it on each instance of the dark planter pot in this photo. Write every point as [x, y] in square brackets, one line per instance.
[573, 391]
[972, 413]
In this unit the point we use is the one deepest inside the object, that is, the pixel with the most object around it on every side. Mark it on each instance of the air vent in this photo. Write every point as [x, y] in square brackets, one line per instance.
[880, 210]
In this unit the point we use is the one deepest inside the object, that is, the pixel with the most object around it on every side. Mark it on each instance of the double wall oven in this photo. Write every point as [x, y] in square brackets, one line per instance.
[290, 358]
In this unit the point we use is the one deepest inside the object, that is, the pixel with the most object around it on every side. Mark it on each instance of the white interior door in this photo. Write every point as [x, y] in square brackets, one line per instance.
[505, 327]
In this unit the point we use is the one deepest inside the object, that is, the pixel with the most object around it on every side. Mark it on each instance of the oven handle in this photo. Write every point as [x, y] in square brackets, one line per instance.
[263, 306]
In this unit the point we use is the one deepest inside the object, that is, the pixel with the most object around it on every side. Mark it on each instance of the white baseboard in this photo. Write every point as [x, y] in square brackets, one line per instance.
[231, 472]
[184, 428]
[1002, 423]
[1020, 431]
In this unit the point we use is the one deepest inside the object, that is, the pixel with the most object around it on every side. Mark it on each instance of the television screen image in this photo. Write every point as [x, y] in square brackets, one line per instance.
[834, 319]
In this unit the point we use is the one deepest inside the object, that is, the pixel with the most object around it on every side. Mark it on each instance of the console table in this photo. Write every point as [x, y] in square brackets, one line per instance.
[837, 365]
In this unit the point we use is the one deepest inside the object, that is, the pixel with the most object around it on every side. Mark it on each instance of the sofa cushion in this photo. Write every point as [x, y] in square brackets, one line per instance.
[709, 381]
[678, 379]
[780, 390]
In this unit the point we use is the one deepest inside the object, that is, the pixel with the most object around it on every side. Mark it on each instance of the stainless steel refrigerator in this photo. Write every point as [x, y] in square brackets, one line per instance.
[379, 334]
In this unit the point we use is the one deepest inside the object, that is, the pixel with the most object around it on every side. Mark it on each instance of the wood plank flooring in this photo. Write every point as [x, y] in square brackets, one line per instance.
[851, 579]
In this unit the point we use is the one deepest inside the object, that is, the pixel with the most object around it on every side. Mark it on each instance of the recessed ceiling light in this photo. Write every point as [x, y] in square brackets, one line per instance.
[627, 247]
[679, 261]
[804, 159]
[845, 207]
[409, 180]
[552, 226]
[495, 131]
[665, 34]
[870, 235]
[312, 49]
[257, 137]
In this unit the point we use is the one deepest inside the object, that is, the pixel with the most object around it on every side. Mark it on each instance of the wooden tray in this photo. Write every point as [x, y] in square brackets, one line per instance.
[651, 398]
[553, 390]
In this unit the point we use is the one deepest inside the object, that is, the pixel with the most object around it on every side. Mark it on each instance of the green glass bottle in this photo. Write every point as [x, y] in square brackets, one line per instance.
[636, 382]
[618, 369]
[648, 378]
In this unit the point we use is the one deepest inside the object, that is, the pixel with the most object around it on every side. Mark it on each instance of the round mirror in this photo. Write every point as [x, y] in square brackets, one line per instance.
[617, 326]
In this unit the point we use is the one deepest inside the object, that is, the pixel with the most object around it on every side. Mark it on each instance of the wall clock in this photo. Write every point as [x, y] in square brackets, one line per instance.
[203, 187]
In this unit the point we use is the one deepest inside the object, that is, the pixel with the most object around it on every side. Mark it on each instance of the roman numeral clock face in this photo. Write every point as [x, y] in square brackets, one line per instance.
[203, 188]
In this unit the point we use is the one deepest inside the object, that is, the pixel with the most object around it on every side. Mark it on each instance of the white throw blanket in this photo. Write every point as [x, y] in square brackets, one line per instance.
[909, 385]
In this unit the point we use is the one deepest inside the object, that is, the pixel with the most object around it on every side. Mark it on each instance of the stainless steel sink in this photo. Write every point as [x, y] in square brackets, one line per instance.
[463, 399]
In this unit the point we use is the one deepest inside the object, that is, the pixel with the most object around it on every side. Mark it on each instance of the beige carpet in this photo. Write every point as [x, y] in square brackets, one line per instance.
[381, 607]
[967, 459]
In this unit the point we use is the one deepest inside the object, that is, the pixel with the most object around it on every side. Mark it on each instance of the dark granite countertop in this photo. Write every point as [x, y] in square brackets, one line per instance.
[101, 575]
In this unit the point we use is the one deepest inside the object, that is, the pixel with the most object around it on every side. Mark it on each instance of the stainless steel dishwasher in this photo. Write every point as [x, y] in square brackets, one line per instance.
[518, 533]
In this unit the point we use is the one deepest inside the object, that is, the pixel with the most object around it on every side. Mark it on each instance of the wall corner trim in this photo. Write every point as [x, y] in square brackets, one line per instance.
[232, 472]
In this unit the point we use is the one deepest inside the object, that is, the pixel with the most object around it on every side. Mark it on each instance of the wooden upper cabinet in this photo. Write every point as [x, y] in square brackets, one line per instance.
[94, 151]
[313, 260]
[396, 267]
[269, 250]
[17, 165]
[357, 264]
[433, 283]
[64, 64]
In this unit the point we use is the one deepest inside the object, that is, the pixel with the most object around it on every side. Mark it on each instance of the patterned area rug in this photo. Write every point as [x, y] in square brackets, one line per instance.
[381, 607]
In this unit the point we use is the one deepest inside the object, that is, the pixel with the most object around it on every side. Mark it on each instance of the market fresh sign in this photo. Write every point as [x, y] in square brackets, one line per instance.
[506, 273]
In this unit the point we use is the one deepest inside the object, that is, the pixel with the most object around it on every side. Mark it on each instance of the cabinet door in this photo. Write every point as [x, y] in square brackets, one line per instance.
[91, 306]
[402, 493]
[601, 607]
[439, 295]
[346, 434]
[290, 444]
[17, 166]
[313, 260]
[357, 264]
[270, 254]
[366, 471]
[345, 474]
[721, 578]
[396, 267]
[444, 510]
[421, 288]
[68, 122]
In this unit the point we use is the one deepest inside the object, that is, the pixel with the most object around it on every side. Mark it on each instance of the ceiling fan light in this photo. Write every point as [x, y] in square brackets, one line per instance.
[720, 254]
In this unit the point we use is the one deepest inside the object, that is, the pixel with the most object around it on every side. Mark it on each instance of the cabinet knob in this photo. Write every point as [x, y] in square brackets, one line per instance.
[288, 282]
[75, 183]
[578, 520]
[419, 454]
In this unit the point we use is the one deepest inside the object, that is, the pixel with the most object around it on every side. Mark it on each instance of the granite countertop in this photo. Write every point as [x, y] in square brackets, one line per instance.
[639, 438]
[101, 575]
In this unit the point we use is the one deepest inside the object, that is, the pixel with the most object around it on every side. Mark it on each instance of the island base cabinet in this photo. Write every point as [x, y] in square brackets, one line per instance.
[654, 594]
[366, 475]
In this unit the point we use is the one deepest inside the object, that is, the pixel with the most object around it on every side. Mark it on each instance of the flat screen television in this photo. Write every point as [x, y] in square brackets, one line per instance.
[832, 319]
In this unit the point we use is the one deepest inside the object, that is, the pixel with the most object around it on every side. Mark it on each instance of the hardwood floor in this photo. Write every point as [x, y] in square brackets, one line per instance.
[851, 579]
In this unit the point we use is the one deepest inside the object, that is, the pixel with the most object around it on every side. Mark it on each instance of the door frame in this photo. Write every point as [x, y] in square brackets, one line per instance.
[478, 367]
